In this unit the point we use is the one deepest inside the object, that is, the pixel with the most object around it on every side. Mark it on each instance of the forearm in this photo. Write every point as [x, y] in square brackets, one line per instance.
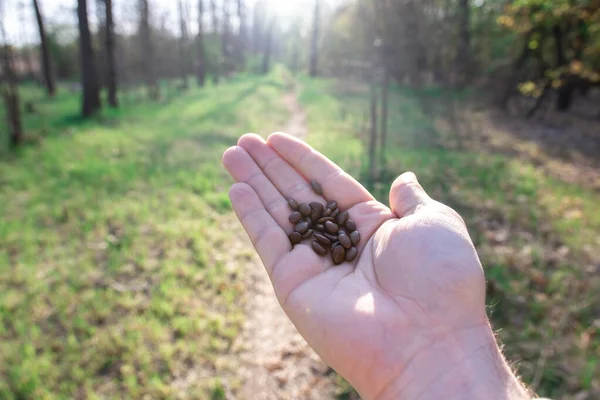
[468, 365]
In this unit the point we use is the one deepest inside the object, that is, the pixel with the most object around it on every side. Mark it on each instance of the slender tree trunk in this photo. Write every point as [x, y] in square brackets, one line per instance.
[314, 46]
[89, 80]
[10, 94]
[111, 70]
[565, 92]
[215, 27]
[384, 110]
[147, 50]
[183, 39]
[242, 39]
[226, 40]
[46, 64]
[464, 44]
[266, 65]
[201, 71]
[373, 138]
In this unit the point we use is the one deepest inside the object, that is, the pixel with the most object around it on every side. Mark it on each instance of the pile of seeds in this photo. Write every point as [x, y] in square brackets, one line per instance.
[328, 226]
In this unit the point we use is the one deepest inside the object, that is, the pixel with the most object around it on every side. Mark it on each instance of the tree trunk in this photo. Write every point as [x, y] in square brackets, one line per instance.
[241, 51]
[464, 44]
[266, 65]
[215, 27]
[314, 46]
[384, 111]
[226, 40]
[201, 71]
[111, 70]
[147, 50]
[46, 65]
[10, 95]
[89, 80]
[565, 92]
[183, 39]
[373, 138]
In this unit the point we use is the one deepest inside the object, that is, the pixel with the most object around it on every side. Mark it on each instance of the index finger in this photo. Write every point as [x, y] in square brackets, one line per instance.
[336, 183]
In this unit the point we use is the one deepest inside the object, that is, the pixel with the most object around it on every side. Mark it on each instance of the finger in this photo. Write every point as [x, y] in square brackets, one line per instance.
[313, 165]
[407, 195]
[286, 179]
[243, 169]
[269, 240]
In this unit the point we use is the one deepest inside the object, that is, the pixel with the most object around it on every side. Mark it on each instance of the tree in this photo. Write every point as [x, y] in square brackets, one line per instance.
[314, 46]
[266, 64]
[45, 52]
[9, 89]
[226, 39]
[183, 39]
[215, 29]
[241, 40]
[201, 69]
[464, 42]
[89, 80]
[111, 70]
[147, 50]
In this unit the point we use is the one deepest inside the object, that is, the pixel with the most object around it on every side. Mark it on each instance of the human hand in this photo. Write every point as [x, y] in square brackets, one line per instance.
[407, 318]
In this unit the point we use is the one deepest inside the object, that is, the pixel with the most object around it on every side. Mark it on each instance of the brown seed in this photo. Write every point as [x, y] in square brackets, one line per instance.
[355, 237]
[301, 227]
[351, 254]
[315, 214]
[351, 225]
[345, 241]
[335, 212]
[295, 217]
[338, 255]
[320, 227]
[309, 221]
[327, 212]
[334, 245]
[315, 205]
[292, 203]
[325, 219]
[304, 209]
[295, 238]
[316, 187]
[308, 234]
[331, 237]
[342, 232]
[342, 218]
[331, 227]
[318, 248]
[332, 204]
[322, 239]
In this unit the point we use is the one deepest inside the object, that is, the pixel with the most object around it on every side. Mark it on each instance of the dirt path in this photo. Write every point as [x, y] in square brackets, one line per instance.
[275, 363]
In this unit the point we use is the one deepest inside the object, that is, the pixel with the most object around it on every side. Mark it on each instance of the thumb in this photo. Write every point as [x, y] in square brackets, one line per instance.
[407, 195]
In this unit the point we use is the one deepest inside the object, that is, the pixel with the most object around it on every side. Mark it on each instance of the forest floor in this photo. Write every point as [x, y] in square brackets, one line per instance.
[123, 271]
[274, 361]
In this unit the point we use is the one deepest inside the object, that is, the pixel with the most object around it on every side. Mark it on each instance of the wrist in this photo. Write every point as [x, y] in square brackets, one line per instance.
[462, 365]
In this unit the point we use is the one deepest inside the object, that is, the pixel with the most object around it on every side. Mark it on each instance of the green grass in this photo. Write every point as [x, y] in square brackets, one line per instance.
[537, 237]
[111, 283]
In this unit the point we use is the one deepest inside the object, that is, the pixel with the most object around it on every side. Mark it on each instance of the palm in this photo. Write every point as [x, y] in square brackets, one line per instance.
[357, 311]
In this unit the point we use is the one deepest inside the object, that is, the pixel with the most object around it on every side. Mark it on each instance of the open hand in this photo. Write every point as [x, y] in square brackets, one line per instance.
[407, 318]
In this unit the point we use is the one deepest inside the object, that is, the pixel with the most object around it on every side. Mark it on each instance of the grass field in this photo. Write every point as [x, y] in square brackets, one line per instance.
[111, 279]
[538, 238]
[111, 284]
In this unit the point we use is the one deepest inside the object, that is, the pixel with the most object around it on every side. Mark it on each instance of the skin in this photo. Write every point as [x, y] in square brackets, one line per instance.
[406, 319]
